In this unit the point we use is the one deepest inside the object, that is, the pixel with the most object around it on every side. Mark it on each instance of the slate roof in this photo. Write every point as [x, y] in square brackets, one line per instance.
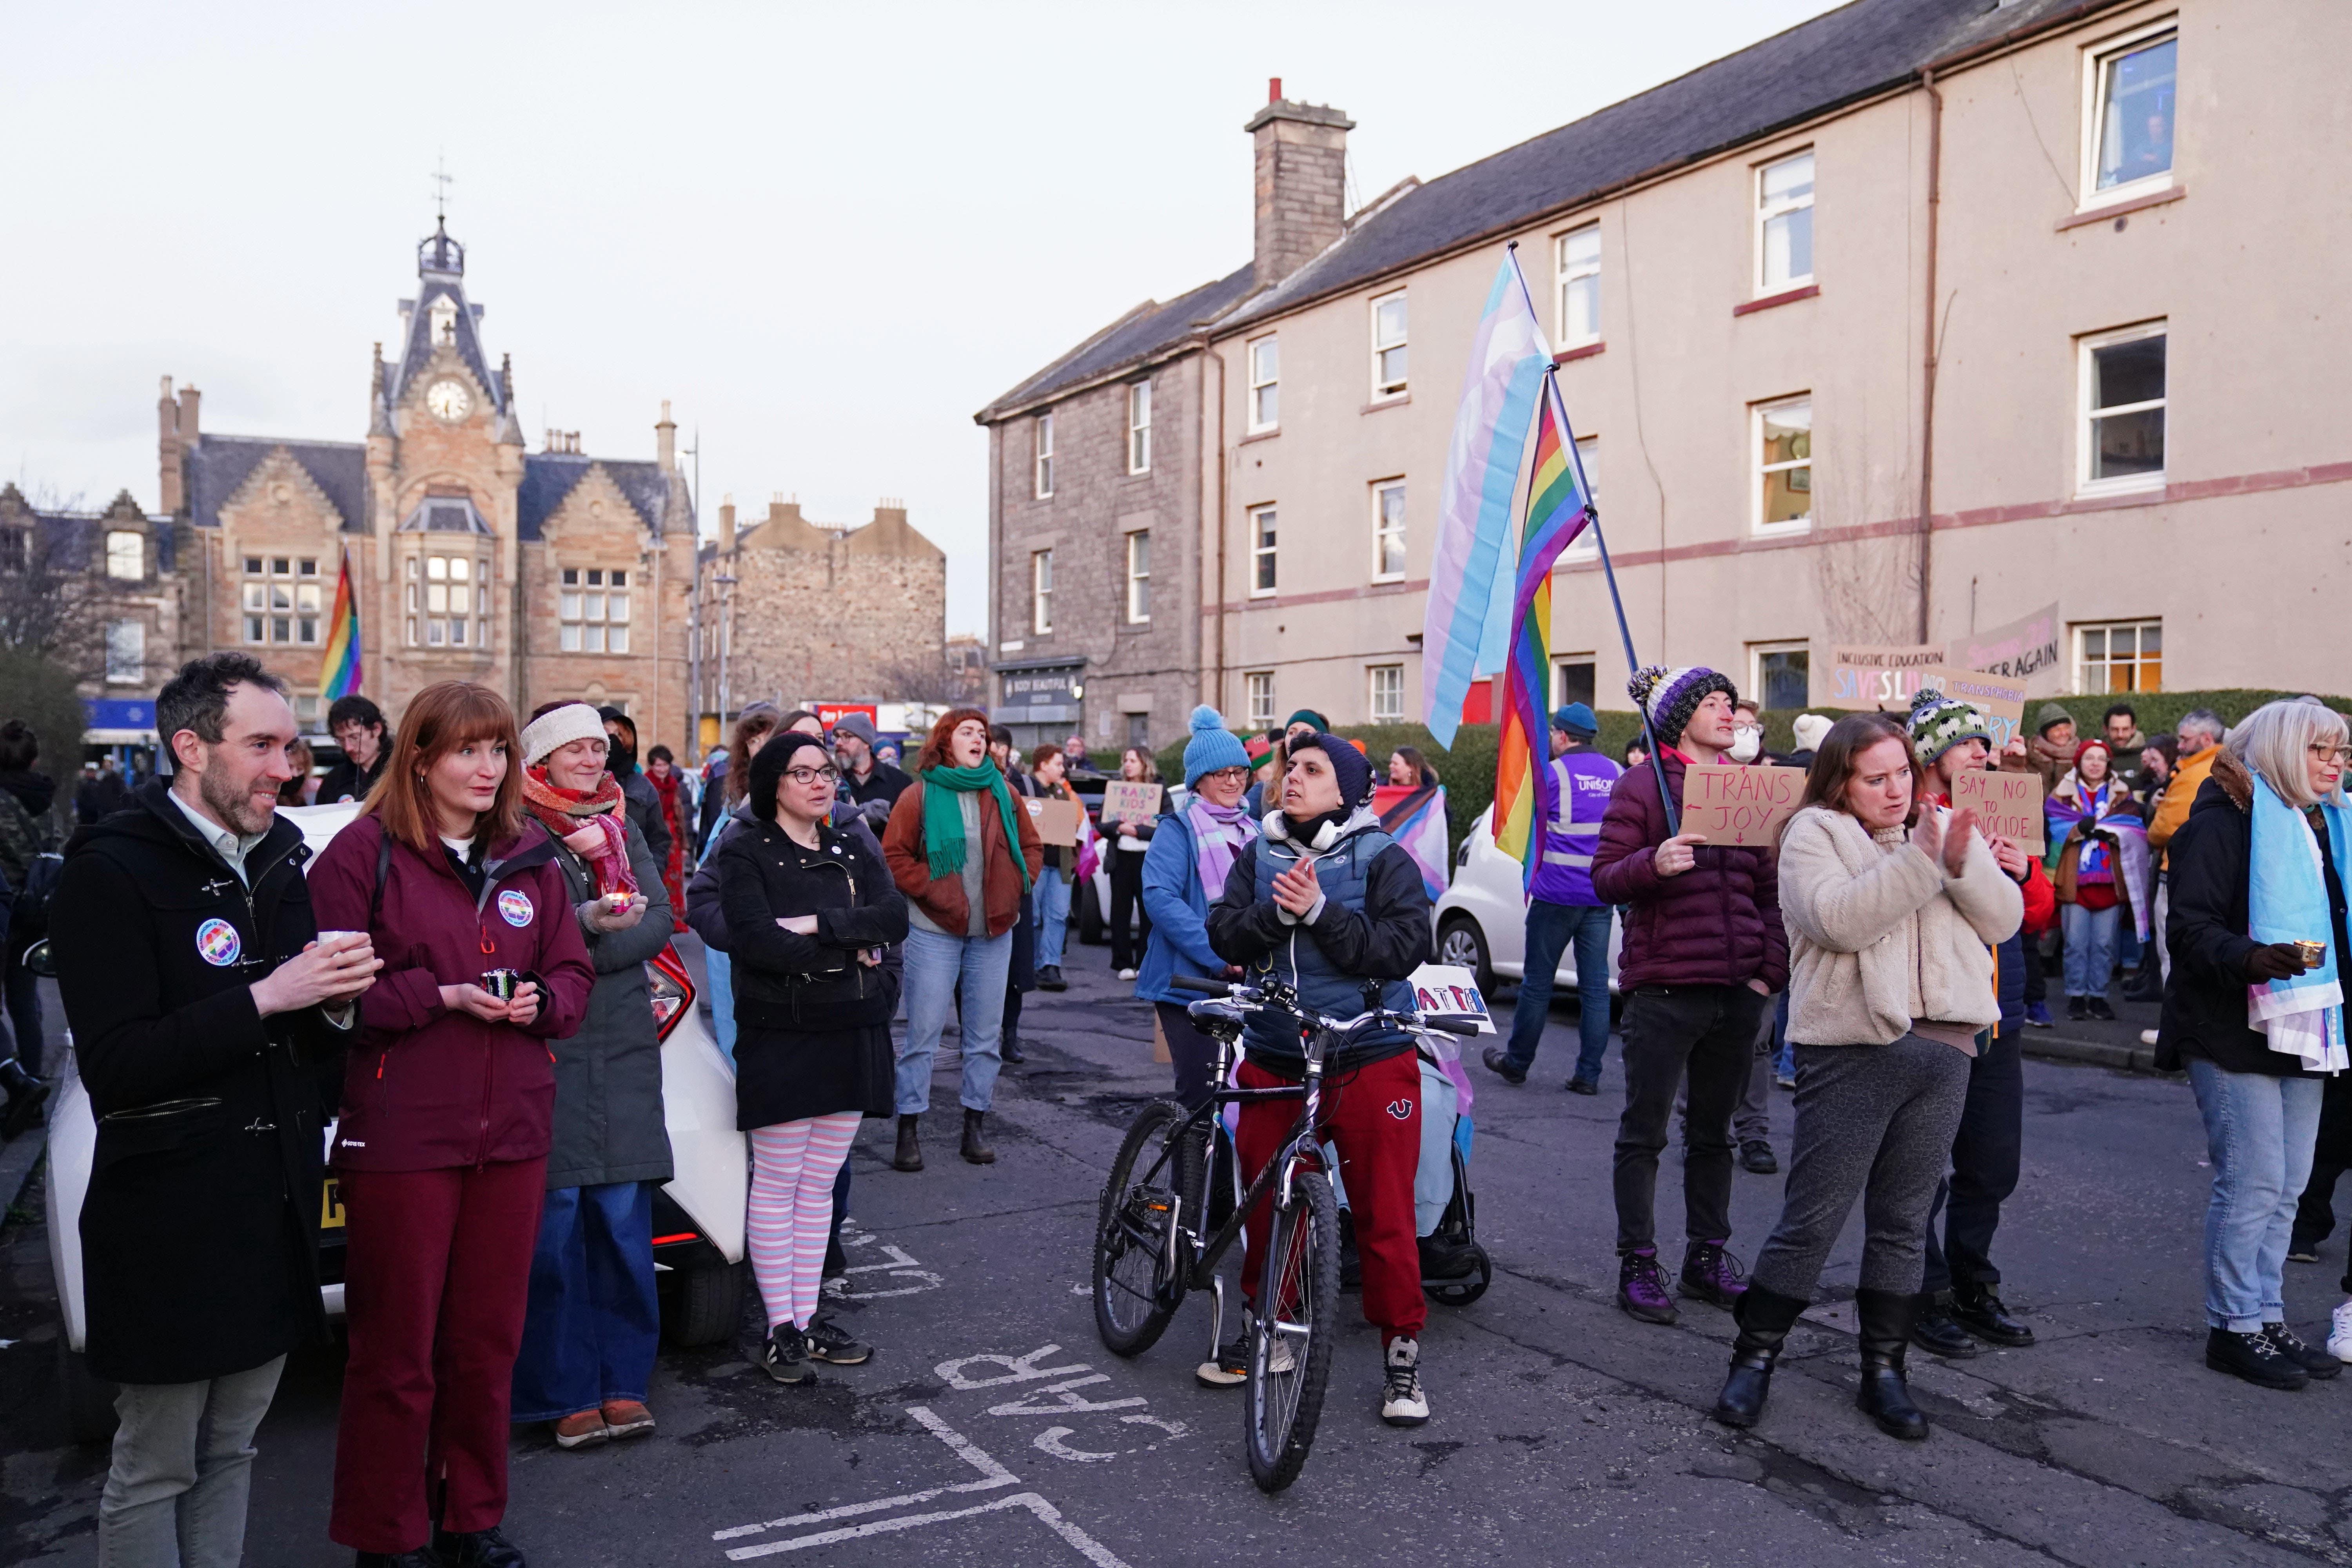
[549, 477]
[1846, 55]
[220, 463]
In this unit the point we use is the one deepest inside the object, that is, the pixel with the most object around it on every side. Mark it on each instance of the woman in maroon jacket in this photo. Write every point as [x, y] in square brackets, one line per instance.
[448, 1102]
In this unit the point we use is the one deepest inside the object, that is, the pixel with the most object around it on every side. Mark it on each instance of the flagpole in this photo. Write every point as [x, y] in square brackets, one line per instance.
[1592, 520]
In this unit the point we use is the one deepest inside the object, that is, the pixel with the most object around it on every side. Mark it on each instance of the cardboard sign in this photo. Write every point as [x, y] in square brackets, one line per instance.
[2025, 650]
[1448, 991]
[1875, 677]
[1733, 805]
[2000, 699]
[1124, 801]
[1058, 820]
[2008, 804]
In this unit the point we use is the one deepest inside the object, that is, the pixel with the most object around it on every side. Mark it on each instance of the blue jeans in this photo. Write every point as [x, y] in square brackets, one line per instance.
[719, 984]
[1551, 928]
[23, 989]
[1051, 906]
[2259, 1133]
[1784, 1055]
[2090, 956]
[934, 964]
[591, 1325]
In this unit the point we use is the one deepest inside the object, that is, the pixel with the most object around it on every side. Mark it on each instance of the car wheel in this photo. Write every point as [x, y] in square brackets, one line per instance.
[1091, 931]
[704, 1306]
[1461, 943]
[88, 1400]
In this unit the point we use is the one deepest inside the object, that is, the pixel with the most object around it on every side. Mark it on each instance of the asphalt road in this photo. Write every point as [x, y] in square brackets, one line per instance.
[991, 1427]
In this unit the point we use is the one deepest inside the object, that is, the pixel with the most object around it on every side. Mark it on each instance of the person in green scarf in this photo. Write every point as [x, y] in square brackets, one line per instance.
[964, 853]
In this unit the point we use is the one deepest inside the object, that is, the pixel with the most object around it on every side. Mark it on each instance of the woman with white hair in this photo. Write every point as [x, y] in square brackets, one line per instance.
[2254, 1009]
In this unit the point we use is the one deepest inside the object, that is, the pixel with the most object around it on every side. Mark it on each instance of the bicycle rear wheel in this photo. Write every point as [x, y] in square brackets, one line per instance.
[1292, 1331]
[1137, 1285]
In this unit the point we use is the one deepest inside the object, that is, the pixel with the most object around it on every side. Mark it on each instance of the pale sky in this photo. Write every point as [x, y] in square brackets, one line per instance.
[827, 234]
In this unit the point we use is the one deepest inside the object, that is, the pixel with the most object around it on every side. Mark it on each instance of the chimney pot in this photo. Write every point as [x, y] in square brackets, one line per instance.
[666, 441]
[1273, 89]
[190, 401]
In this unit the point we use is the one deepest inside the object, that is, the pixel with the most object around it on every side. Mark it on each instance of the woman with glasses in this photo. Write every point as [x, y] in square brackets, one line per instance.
[809, 911]
[2254, 1009]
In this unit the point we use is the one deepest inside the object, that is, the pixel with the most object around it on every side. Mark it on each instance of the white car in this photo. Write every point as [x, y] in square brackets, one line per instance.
[1482, 920]
[698, 1215]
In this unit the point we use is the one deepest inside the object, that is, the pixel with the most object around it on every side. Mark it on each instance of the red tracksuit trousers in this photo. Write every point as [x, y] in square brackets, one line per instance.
[1373, 1115]
[437, 1274]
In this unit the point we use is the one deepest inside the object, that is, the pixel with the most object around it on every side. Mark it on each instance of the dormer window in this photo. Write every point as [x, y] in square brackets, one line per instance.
[445, 319]
[126, 554]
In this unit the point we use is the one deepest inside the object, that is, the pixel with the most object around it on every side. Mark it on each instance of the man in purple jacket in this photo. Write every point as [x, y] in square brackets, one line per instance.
[1704, 947]
[1570, 796]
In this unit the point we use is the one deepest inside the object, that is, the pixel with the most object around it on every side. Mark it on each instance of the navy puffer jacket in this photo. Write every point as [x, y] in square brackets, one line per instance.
[1718, 923]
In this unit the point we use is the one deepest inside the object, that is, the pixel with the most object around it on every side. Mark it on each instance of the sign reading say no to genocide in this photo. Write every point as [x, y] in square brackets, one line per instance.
[1739, 805]
[2007, 804]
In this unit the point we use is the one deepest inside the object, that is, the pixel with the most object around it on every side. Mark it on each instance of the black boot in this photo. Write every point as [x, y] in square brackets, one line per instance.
[1932, 1328]
[476, 1549]
[909, 1154]
[975, 1145]
[1764, 1317]
[1885, 1317]
[1977, 1307]
[1009, 1048]
[27, 1095]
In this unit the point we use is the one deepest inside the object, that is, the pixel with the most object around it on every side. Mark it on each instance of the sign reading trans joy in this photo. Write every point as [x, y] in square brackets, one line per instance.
[1048, 696]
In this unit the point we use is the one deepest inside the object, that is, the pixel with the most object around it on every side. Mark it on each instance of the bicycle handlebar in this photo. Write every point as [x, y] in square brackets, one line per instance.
[1250, 994]
[1202, 984]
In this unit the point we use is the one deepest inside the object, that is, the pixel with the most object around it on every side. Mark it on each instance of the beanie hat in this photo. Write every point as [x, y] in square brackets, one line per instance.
[1938, 723]
[859, 725]
[1349, 766]
[2050, 713]
[1576, 722]
[1211, 747]
[1811, 729]
[768, 765]
[559, 726]
[1308, 716]
[1671, 696]
[2100, 744]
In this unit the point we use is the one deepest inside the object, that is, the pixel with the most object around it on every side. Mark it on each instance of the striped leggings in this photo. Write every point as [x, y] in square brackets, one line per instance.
[793, 1164]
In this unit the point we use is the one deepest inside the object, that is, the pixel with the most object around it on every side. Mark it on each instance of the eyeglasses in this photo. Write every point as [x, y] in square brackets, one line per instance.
[2340, 755]
[807, 776]
[1226, 776]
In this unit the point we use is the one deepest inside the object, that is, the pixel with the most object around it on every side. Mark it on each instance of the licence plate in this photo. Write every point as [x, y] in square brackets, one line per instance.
[330, 1205]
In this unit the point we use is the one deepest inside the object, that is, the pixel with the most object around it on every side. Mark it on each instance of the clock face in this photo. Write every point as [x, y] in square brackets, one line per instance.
[448, 400]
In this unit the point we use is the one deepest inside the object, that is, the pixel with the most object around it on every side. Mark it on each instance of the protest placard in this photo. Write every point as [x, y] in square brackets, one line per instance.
[1127, 800]
[1873, 677]
[1733, 805]
[2000, 699]
[2007, 804]
[1058, 820]
[2026, 649]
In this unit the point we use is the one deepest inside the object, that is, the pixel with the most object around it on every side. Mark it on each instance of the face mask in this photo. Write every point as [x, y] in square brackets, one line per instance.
[1745, 745]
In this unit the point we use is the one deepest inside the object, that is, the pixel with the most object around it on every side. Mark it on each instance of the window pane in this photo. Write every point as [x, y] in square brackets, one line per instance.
[309, 567]
[1786, 678]
[254, 599]
[306, 597]
[570, 576]
[2136, 118]
[571, 638]
[2095, 643]
[437, 568]
[461, 599]
[281, 567]
[460, 569]
[437, 598]
[1580, 248]
[620, 579]
[281, 628]
[1789, 179]
[1580, 309]
[591, 606]
[1266, 359]
[280, 597]
[253, 565]
[2151, 640]
[1269, 407]
[616, 639]
[253, 629]
[2128, 444]
[1389, 321]
[595, 578]
[306, 630]
[593, 636]
[411, 631]
[1391, 369]
[457, 634]
[568, 607]
[1789, 246]
[2128, 373]
[412, 566]
[412, 598]
[434, 631]
[617, 607]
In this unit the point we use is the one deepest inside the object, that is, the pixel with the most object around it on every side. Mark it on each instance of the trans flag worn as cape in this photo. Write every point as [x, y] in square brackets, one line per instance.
[1556, 513]
[1414, 815]
[2127, 864]
[2286, 900]
[1465, 628]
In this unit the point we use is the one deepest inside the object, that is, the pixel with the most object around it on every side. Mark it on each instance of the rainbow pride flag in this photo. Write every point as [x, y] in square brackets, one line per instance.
[339, 668]
[1558, 510]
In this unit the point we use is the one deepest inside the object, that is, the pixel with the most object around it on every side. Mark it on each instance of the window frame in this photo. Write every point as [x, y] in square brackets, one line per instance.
[1264, 391]
[132, 670]
[1257, 683]
[1385, 390]
[1380, 491]
[1374, 677]
[2086, 349]
[1138, 427]
[1758, 468]
[1264, 520]
[1560, 665]
[1041, 593]
[1566, 275]
[1041, 455]
[1766, 211]
[2096, 59]
[1139, 577]
[282, 602]
[573, 586]
[420, 620]
[1586, 546]
[137, 543]
[2139, 626]
[1759, 651]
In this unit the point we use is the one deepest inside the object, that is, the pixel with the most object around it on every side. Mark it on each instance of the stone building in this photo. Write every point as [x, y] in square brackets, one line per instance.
[809, 612]
[541, 575]
[102, 587]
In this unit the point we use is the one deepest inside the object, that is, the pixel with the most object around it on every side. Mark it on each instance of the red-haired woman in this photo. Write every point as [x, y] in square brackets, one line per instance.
[447, 1102]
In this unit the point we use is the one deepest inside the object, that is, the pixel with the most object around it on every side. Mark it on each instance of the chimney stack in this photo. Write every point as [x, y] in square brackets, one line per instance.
[727, 525]
[1302, 182]
[171, 493]
[666, 441]
[189, 400]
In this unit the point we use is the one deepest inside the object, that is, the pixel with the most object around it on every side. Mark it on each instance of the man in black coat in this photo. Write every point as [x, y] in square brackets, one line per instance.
[865, 778]
[359, 728]
[200, 1001]
[644, 804]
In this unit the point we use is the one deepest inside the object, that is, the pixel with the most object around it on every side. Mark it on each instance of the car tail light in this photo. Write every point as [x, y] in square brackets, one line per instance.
[672, 987]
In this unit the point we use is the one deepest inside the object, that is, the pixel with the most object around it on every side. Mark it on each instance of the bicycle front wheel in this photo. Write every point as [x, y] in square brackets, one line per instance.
[1137, 1278]
[1291, 1333]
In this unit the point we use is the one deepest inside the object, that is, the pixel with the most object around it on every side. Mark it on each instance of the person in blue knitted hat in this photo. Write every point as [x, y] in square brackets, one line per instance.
[1190, 853]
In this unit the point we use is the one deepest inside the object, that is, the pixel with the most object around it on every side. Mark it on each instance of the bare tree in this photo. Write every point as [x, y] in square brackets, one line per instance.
[56, 598]
[1869, 582]
[926, 679]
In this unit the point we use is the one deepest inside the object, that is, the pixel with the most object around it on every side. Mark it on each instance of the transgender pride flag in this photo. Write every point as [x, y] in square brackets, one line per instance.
[1466, 630]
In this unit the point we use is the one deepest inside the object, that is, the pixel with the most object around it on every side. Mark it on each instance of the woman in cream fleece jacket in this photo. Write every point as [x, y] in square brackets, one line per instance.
[1889, 908]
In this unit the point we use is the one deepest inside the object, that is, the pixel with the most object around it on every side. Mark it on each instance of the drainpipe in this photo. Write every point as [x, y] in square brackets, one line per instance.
[1927, 360]
[1223, 464]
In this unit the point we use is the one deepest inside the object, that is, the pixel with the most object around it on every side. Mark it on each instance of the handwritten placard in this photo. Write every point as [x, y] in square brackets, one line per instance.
[2007, 804]
[1999, 698]
[2026, 649]
[1127, 800]
[1057, 819]
[1734, 804]
[1875, 677]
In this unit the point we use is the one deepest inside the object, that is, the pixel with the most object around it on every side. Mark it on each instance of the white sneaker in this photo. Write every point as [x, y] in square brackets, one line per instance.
[1126, 974]
[2339, 1337]
[2147, 1037]
[1403, 1403]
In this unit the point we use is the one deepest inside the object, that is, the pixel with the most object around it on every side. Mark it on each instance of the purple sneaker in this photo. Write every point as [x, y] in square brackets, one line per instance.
[1712, 1275]
[1642, 1287]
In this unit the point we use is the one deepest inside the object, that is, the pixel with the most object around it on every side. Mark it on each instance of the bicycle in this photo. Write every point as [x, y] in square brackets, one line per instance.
[1149, 1242]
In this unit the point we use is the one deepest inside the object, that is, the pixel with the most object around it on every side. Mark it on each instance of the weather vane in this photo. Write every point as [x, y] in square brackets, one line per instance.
[441, 178]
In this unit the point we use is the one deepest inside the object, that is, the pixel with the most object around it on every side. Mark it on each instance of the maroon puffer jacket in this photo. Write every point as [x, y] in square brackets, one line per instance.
[1718, 923]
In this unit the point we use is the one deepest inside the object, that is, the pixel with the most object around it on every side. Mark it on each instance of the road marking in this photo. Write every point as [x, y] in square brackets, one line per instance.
[1065, 1401]
[1049, 1441]
[898, 1265]
[1093, 1550]
[1017, 1368]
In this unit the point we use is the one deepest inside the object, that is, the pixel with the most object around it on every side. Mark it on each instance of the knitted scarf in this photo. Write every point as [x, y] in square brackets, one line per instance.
[563, 812]
[943, 843]
[1220, 832]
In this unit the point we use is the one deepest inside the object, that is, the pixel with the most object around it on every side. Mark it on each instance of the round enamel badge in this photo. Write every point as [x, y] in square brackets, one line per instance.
[514, 907]
[218, 943]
